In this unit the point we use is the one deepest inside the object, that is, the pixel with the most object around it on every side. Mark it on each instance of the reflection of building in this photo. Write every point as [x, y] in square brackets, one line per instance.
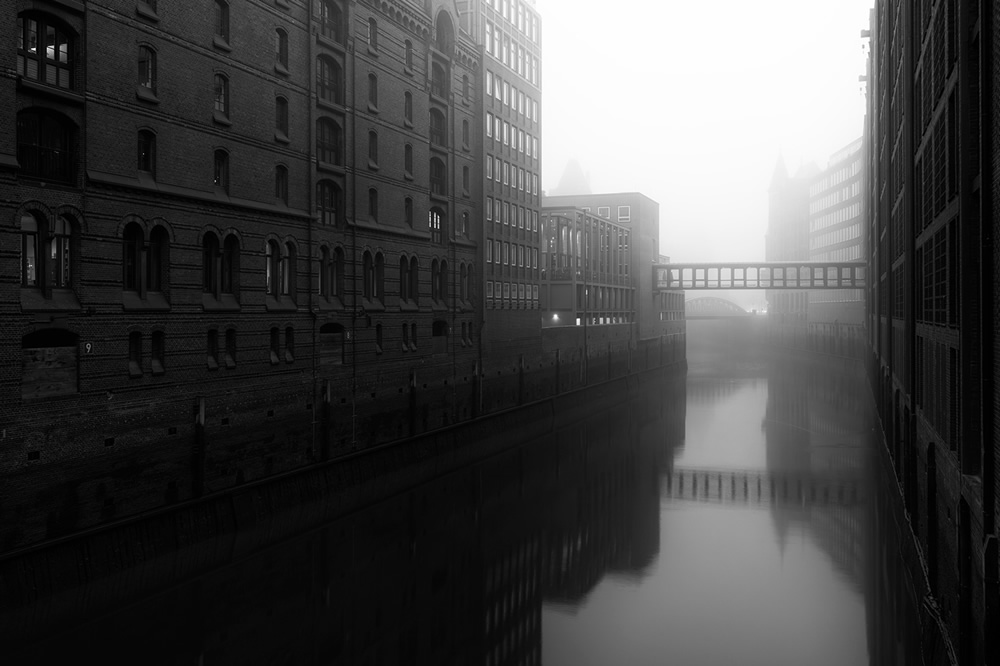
[931, 198]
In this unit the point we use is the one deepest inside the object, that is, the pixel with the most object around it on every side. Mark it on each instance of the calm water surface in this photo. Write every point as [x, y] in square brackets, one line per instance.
[719, 518]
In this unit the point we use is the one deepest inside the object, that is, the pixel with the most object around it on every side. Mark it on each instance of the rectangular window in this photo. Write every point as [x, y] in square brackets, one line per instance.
[506, 253]
[489, 289]
[506, 213]
[489, 124]
[496, 251]
[506, 289]
[489, 74]
[489, 209]
[489, 252]
[624, 213]
[534, 292]
[489, 168]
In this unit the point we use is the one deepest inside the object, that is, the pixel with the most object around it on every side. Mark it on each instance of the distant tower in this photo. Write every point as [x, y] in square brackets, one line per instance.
[573, 181]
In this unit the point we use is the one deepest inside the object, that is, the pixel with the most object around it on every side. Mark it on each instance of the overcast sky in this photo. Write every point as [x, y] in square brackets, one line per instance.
[691, 103]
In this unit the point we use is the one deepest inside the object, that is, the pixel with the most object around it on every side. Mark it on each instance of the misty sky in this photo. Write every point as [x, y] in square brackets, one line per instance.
[691, 102]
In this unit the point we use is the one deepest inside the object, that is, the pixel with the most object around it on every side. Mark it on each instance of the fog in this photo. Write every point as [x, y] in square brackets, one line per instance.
[691, 103]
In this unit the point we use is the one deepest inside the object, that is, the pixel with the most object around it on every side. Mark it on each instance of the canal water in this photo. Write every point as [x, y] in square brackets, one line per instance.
[719, 518]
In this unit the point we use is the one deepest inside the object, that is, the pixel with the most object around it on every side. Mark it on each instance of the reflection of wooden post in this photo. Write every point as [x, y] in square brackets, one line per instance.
[520, 379]
[413, 404]
[324, 422]
[198, 454]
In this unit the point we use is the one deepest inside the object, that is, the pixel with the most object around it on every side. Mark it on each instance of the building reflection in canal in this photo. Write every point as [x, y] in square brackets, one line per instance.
[619, 539]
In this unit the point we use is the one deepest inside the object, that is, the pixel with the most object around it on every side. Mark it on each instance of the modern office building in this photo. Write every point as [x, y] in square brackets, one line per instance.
[930, 198]
[509, 34]
[835, 234]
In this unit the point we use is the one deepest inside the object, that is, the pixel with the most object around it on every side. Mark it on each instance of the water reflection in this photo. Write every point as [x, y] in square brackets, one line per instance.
[718, 520]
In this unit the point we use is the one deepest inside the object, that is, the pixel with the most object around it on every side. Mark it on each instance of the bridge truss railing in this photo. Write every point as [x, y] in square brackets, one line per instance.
[761, 275]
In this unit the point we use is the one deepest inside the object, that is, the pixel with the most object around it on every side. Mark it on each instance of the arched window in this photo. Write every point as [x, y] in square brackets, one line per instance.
[435, 224]
[337, 273]
[324, 272]
[466, 89]
[439, 81]
[439, 337]
[372, 148]
[408, 54]
[372, 92]
[328, 141]
[221, 170]
[147, 69]
[373, 204]
[404, 278]
[287, 269]
[49, 363]
[435, 282]
[368, 275]
[439, 128]
[146, 149]
[281, 183]
[45, 145]
[329, 80]
[209, 263]
[132, 257]
[46, 50]
[281, 50]
[379, 276]
[331, 345]
[328, 202]
[222, 20]
[438, 177]
[59, 254]
[157, 260]
[465, 224]
[281, 116]
[465, 134]
[231, 265]
[443, 279]
[414, 280]
[331, 20]
[373, 34]
[444, 34]
[220, 88]
[272, 255]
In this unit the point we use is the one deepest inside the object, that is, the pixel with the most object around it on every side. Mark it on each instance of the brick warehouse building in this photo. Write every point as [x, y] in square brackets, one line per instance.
[234, 239]
[931, 194]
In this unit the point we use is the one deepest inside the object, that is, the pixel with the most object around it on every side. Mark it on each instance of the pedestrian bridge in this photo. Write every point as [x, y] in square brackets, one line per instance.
[760, 275]
[730, 486]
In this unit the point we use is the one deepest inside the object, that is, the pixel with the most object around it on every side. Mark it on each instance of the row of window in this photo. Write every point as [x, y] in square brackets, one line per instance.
[48, 257]
[512, 290]
[221, 346]
[504, 47]
[501, 130]
[511, 175]
[508, 95]
[624, 212]
[511, 254]
[519, 14]
[511, 214]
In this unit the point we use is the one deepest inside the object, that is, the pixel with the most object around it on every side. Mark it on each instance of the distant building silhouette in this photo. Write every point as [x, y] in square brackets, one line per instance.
[573, 181]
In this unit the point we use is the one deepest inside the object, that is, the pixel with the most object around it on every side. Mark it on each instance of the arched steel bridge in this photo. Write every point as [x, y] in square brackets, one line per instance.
[712, 307]
[760, 275]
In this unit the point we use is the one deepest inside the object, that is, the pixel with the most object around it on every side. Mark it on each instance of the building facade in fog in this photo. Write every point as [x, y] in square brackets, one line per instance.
[931, 195]
[836, 234]
[597, 255]
[787, 239]
[246, 225]
[509, 34]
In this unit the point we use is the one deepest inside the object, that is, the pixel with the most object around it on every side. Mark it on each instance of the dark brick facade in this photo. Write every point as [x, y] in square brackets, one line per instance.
[930, 193]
